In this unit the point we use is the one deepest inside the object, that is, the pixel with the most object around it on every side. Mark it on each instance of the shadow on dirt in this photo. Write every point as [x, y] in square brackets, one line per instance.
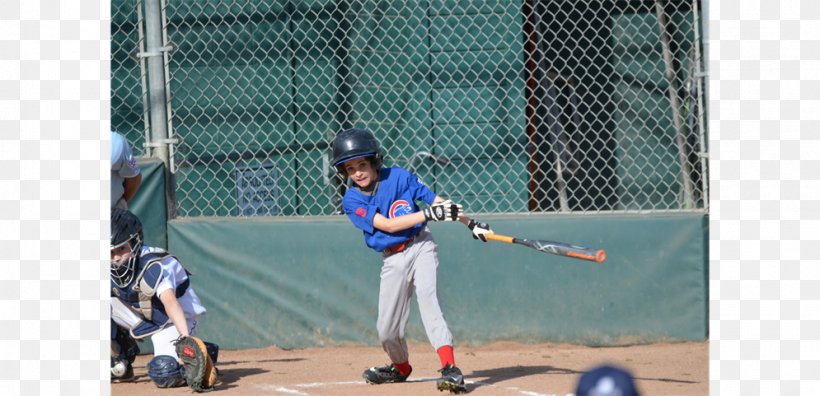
[497, 375]
[674, 381]
[233, 362]
[138, 378]
[506, 373]
[227, 377]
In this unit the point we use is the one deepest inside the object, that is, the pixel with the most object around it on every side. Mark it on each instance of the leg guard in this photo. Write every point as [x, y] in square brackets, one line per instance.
[166, 372]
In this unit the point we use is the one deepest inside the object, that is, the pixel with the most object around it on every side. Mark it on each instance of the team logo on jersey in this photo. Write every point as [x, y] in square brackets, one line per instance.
[132, 162]
[400, 208]
[361, 212]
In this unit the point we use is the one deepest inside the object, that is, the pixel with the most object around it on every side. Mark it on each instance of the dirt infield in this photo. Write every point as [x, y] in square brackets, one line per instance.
[497, 369]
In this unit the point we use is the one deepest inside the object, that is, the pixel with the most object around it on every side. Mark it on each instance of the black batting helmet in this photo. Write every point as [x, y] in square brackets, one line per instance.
[125, 228]
[354, 143]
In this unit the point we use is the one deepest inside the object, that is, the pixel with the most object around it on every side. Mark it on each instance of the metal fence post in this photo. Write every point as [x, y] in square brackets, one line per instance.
[157, 97]
[685, 169]
[146, 131]
[700, 75]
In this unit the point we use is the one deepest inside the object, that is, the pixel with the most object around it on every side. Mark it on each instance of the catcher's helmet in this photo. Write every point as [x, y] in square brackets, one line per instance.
[125, 228]
[354, 143]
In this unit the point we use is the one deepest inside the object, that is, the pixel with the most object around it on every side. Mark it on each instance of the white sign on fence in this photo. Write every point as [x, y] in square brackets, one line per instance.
[257, 190]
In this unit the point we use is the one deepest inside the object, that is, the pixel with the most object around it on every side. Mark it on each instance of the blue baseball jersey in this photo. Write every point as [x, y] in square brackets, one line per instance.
[395, 196]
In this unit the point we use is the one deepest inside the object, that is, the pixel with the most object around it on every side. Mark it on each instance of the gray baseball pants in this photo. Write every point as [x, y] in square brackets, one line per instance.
[415, 268]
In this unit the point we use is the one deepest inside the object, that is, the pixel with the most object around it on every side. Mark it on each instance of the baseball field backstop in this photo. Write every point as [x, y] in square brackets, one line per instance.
[578, 121]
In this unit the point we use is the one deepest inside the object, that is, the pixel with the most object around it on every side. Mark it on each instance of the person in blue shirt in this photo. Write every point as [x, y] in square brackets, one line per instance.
[125, 173]
[381, 202]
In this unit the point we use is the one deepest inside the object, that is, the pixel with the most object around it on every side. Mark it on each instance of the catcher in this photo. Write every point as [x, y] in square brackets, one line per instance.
[152, 296]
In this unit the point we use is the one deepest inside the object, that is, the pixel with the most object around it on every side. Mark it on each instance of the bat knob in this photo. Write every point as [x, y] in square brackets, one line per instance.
[600, 256]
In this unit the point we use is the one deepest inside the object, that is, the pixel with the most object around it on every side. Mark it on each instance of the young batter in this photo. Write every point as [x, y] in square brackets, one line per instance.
[382, 203]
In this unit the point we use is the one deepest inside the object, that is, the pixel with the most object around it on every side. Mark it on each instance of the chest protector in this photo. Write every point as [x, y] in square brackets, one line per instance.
[141, 294]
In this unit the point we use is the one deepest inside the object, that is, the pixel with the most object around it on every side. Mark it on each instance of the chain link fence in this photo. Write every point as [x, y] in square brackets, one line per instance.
[506, 107]
[129, 97]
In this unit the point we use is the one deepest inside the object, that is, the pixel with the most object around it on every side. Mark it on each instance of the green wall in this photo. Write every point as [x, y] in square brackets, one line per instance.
[312, 282]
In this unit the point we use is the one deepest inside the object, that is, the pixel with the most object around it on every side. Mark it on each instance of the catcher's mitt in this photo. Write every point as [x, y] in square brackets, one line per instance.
[200, 372]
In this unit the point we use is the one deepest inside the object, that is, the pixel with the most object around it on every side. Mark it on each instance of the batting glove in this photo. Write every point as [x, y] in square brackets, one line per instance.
[479, 230]
[445, 211]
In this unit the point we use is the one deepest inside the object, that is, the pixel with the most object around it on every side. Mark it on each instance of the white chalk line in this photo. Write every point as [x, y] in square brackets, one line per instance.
[285, 390]
[280, 389]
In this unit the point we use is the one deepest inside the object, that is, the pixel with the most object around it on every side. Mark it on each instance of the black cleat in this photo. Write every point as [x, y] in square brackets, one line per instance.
[451, 380]
[383, 375]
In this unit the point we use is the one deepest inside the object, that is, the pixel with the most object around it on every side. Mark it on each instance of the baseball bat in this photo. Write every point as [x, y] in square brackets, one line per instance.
[557, 248]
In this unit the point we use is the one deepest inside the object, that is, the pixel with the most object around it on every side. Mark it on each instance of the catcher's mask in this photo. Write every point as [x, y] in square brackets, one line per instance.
[354, 143]
[125, 229]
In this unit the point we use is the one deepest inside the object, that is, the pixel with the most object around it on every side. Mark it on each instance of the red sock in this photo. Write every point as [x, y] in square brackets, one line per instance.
[445, 354]
[404, 368]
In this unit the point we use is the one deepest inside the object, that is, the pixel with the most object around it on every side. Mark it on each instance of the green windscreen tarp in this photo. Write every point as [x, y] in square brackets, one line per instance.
[309, 282]
[149, 202]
